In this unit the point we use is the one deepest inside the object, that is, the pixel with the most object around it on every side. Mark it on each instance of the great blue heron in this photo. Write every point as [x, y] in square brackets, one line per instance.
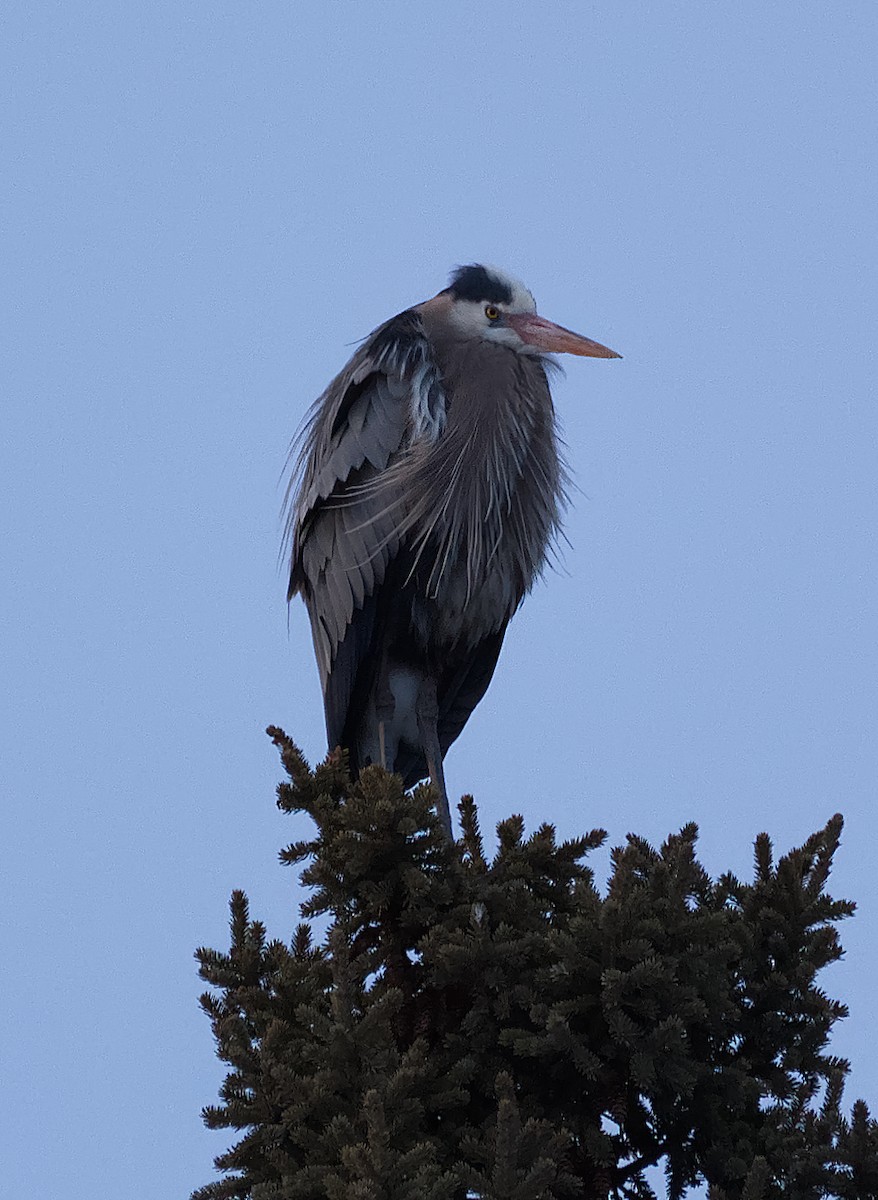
[426, 492]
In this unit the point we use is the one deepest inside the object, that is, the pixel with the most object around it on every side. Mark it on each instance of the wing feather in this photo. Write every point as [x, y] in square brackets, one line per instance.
[343, 522]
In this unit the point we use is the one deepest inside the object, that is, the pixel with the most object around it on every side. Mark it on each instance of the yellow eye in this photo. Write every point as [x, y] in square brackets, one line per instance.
[491, 312]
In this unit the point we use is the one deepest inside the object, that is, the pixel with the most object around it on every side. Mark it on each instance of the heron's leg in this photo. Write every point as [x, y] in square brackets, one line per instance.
[382, 744]
[385, 705]
[428, 721]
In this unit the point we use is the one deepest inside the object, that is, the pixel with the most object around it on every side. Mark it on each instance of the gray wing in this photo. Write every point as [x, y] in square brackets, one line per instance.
[344, 524]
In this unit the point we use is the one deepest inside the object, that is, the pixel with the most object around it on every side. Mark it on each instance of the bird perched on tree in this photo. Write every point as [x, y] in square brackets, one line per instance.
[427, 489]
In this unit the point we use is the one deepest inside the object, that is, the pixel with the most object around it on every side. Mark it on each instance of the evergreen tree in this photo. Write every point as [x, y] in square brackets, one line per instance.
[500, 1029]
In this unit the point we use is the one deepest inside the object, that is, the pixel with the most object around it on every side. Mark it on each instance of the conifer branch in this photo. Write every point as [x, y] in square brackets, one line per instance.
[495, 1026]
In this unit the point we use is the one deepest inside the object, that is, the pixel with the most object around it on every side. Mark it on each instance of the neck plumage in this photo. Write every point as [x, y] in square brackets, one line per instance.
[491, 486]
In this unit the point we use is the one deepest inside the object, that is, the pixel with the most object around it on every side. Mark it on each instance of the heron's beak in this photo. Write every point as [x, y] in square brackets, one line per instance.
[555, 339]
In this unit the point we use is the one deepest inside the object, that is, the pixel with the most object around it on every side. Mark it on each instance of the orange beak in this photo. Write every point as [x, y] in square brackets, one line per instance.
[555, 339]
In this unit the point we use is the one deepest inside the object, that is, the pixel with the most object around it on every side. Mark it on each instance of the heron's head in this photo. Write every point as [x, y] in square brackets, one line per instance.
[485, 303]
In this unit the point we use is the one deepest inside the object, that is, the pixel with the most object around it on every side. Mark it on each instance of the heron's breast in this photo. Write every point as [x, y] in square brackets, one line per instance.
[465, 602]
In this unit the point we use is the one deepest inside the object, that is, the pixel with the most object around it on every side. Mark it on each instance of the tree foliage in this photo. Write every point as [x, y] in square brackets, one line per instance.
[499, 1028]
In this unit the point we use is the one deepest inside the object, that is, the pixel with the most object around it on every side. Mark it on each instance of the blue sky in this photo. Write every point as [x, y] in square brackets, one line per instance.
[204, 206]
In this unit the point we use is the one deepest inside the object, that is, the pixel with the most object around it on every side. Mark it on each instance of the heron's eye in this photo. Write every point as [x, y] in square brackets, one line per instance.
[492, 313]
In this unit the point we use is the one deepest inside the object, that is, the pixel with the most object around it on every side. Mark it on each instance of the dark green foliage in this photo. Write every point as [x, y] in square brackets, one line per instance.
[499, 1029]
